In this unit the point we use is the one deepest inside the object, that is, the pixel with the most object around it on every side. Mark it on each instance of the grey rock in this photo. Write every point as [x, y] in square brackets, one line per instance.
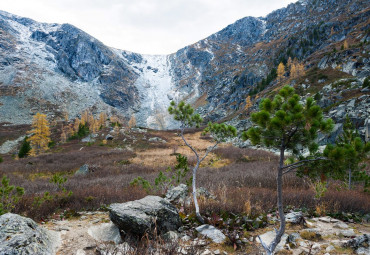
[156, 139]
[361, 244]
[83, 170]
[171, 236]
[269, 236]
[347, 233]
[205, 193]
[295, 218]
[21, 235]
[109, 137]
[211, 232]
[106, 232]
[9, 146]
[177, 194]
[141, 216]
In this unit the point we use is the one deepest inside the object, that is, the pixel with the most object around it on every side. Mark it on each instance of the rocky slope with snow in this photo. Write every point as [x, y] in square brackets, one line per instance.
[55, 68]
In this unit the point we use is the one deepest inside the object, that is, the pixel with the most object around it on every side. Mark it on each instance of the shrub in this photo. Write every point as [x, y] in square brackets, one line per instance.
[9, 195]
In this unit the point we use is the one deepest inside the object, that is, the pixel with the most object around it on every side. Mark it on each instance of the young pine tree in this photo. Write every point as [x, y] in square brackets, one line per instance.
[184, 113]
[40, 134]
[285, 123]
[347, 156]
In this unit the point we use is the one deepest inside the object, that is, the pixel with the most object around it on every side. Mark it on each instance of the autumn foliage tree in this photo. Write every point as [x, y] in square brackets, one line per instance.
[280, 71]
[40, 134]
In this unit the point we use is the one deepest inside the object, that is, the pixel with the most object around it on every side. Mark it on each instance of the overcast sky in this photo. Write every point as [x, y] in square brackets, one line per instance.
[144, 26]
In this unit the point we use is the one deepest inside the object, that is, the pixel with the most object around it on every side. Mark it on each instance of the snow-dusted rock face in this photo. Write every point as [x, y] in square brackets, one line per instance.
[53, 68]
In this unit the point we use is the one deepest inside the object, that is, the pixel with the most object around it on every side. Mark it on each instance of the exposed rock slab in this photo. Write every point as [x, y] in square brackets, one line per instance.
[211, 232]
[21, 235]
[141, 216]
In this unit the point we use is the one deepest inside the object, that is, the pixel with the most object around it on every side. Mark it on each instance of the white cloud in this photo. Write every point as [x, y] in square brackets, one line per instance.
[144, 26]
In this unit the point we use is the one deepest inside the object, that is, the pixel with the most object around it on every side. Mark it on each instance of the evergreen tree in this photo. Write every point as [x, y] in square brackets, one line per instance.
[366, 83]
[286, 124]
[184, 113]
[347, 156]
[25, 148]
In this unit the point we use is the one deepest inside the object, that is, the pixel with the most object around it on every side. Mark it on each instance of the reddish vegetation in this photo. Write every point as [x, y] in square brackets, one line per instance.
[236, 176]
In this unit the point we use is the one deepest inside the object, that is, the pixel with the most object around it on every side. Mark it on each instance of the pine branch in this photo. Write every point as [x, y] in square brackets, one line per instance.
[300, 163]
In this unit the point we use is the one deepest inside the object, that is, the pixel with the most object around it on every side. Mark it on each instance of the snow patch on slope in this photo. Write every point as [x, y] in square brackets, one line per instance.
[156, 91]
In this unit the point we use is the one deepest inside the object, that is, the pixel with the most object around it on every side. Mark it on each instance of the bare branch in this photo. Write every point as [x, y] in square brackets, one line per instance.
[187, 144]
[208, 151]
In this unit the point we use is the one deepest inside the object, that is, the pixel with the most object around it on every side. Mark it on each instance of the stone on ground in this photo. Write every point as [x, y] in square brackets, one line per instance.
[211, 232]
[295, 218]
[106, 232]
[177, 194]
[21, 235]
[269, 236]
[144, 215]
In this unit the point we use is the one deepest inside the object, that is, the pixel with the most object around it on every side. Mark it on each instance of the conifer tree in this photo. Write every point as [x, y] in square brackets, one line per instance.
[280, 71]
[132, 122]
[40, 134]
[293, 71]
[184, 113]
[286, 124]
[347, 156]
[345, 45]
[102, 119]
[248, 103]
[289, 63]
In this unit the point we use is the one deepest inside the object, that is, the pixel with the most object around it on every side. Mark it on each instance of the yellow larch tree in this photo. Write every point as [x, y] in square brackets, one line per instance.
[76, 125]
[40, 134]
[345, 45]
[248, 103]
[289, 63]
[102, 119]
[300, 69]
[132, 122]
[280, 71]
[293, 71]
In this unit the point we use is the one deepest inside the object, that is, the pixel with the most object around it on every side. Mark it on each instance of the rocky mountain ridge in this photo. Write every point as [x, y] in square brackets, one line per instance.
[54, 68]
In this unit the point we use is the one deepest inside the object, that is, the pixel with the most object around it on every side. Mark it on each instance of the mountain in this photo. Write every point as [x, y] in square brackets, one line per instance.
[55, 68]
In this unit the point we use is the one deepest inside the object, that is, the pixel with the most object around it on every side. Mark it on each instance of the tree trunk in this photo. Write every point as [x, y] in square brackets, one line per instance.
[199, 217]
[349, 178]
[279, 233]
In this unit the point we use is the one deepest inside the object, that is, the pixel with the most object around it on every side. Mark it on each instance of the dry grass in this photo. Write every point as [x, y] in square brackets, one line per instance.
[238, 177]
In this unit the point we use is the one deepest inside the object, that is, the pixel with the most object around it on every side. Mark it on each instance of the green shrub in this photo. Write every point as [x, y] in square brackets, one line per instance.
[25, 148]
[366, 83]
[9, 195]
[1, 159]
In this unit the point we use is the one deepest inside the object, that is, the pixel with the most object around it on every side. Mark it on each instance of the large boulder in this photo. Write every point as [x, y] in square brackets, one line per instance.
[141, 216]
[20, 235]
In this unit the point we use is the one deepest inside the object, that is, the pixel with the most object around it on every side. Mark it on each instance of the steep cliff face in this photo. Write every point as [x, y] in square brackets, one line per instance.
[54, 68]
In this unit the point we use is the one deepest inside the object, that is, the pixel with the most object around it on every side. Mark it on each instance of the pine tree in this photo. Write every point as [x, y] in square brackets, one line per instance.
[40, 134]
[286, 124]
[184, 113]
[280, 71]
[347, 156]
[25, 148]
[76, 125]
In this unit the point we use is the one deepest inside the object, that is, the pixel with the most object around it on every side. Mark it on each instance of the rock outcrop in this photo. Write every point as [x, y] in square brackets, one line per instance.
[20, 235]
[143, 216]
